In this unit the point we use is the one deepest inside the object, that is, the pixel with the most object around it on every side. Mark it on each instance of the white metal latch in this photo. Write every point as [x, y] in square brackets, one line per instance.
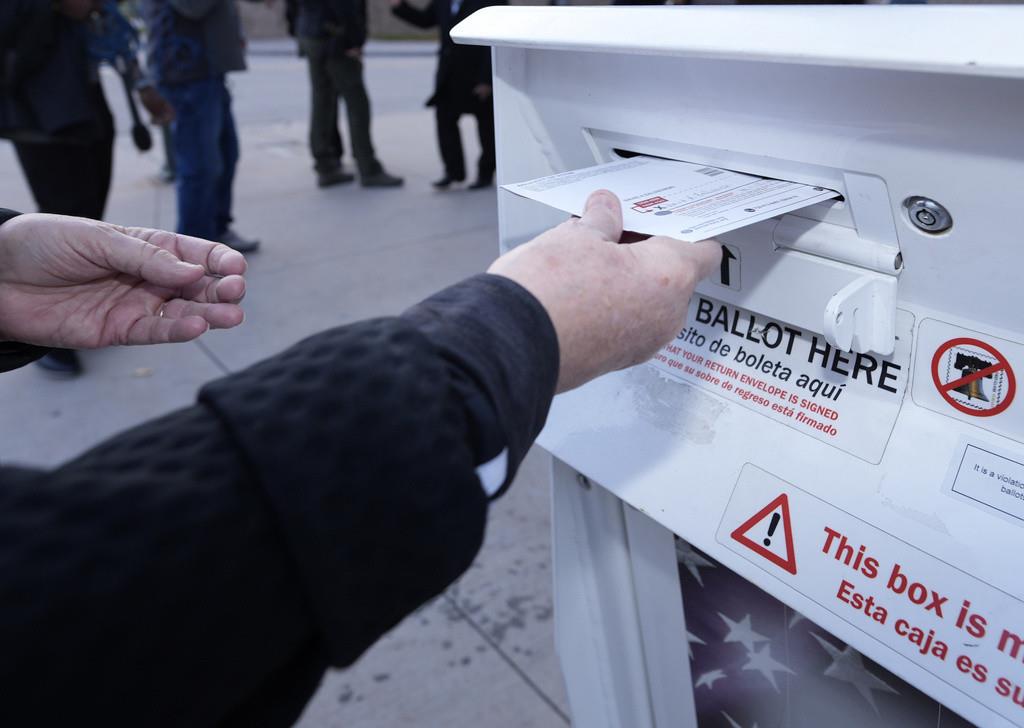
[862, 315]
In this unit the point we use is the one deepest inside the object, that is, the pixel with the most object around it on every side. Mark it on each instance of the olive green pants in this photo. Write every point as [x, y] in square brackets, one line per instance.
[333, 77]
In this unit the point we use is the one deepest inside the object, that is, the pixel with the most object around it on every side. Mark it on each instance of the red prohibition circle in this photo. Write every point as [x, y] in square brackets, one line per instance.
[943, 389]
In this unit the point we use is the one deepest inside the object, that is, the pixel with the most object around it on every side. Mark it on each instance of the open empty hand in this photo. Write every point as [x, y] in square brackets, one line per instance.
[77, 283]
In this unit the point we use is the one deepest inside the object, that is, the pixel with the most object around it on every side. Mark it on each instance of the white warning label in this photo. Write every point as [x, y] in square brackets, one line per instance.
[962, 631]
[970, 376]
[792, 376]
[989, 477]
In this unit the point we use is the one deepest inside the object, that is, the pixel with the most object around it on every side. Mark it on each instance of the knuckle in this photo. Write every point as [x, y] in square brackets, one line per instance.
[157, 255]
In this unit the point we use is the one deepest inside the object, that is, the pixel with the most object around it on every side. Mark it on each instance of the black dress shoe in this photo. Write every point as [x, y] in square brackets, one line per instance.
[446, 182]
[235, 241]
[381, 179]
[62, 362]
[482, 183]
[332, 177]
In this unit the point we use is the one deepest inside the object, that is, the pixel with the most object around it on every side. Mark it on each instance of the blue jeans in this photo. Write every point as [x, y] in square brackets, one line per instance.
[206, 152]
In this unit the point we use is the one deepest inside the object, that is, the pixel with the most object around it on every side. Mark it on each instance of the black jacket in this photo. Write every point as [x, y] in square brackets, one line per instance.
[459, 67]
[47, 92]
[205, 568]
[342, 22]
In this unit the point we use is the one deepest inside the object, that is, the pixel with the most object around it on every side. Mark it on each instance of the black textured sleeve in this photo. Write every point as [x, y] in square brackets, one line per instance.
[14, 354]
[144, 584]
[205, 568]
[501, 351]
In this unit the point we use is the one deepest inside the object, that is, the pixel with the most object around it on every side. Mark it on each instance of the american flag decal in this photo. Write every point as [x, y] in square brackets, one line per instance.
[756, 663]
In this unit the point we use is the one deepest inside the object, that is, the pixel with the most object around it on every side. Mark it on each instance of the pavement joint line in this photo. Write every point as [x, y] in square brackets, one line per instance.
[508, 660]
[331, 257]
[283, 53]
[213, 357]
[286, 46]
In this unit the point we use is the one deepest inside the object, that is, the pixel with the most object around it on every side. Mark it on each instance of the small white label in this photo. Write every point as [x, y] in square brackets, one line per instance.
[990, 478]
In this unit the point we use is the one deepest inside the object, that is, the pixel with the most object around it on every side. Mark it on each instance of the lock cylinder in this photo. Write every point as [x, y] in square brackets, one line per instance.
[927, 215]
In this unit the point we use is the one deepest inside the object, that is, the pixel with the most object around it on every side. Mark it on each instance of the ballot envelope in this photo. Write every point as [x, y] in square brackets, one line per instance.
[808, 509]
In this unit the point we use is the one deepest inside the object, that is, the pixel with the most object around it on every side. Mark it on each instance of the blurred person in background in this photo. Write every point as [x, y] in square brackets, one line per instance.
[331, 36]
[462, 86]
[192, 46]
[53, 108]
[169, 171]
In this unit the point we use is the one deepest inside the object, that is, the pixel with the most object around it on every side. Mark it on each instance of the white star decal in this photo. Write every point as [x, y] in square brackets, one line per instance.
[742, 632]
[693, 561]
[848, 666]
[709, 679]
[691, 640]
[761, 661]
[733, 723]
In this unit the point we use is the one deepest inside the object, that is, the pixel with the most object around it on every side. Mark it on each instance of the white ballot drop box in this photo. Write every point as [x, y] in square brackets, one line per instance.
[808, 510]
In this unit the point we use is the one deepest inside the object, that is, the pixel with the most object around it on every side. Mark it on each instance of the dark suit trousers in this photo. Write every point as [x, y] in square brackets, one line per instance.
[71, 178]
[332, 76]
[448, 112]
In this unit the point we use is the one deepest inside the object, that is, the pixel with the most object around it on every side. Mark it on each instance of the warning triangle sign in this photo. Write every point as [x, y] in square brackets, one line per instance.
[769, 533]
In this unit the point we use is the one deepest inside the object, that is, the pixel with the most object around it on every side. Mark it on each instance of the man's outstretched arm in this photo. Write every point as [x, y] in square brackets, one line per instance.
[204, 568]
[299, 510]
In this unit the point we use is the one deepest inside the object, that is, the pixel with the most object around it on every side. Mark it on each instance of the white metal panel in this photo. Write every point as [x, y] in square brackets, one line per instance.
[660, 608]
[597, 625]
[969, 40]
[848, 107]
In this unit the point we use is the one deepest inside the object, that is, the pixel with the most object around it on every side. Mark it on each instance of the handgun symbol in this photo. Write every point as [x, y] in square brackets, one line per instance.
[968, 365]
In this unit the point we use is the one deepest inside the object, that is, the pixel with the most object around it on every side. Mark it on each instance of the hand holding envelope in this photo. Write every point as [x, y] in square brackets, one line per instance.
[686, 201]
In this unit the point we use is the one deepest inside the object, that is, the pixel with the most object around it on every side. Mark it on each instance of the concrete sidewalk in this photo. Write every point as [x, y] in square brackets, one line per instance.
[482, 655]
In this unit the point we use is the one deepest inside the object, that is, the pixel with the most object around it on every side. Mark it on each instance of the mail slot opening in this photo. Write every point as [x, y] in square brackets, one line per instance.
[781, 260]
[624, 153]
[859, 223]
[863, 202]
